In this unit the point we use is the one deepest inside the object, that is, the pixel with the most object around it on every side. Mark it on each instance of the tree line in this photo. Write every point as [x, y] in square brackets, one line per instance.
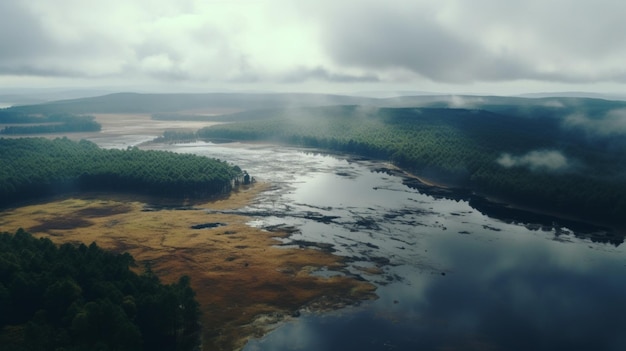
[462, 147]
[84, 298]
[46, 123]
[36, 167]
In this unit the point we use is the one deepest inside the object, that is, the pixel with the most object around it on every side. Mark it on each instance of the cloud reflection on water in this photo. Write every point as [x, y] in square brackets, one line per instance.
[505, 287]
[512, 296]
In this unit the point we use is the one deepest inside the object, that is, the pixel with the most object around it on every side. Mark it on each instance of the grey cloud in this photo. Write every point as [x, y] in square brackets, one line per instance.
[21, 34]
[170, 75]
[303, 74]
[25, 38]
[245, 78]
[31, 49]
[33, 70]
[485, 40]
[350, 41]
[383, 38]
[572, 76]
[538, 160]
[154, 48]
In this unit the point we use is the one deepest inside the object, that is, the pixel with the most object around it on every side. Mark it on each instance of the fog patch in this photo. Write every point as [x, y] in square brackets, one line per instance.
[554, 104]
[464, 101]
[611, 124]
[366, 110]
[538, 160]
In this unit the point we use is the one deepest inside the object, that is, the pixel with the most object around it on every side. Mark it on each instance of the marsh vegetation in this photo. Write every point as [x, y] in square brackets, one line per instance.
[326, 232]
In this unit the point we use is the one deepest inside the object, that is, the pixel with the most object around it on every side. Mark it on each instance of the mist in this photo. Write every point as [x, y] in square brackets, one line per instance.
[613, 123]
[538, 160]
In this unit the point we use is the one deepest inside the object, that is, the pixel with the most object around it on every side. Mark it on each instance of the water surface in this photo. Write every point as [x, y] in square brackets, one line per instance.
[452, 278]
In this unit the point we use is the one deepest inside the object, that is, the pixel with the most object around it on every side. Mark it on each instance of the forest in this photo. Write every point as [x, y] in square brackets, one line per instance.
[537, 156]
[22, 123]
[35, 167]
[84, 298]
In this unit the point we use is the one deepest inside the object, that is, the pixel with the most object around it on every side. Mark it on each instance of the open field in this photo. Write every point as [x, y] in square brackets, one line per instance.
[243, 282]
[124, 128]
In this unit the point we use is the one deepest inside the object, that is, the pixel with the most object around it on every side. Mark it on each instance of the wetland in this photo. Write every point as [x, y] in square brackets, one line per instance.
[340, 253]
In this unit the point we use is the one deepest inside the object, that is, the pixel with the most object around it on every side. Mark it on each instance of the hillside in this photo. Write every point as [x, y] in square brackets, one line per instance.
[560, 161]
[168, 103]
[558, 154]
[155, 103]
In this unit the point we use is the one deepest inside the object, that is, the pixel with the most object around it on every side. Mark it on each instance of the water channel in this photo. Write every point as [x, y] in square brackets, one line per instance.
[451, 277]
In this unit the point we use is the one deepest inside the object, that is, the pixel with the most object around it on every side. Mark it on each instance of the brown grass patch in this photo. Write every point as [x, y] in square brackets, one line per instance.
[236, 270]
[103, 211]
[60, 223]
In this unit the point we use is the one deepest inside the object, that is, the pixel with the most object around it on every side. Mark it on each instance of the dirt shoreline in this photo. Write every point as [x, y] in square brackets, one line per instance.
[244, 282]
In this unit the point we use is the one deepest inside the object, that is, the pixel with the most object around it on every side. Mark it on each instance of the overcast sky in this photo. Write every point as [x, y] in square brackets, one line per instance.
[341, 46]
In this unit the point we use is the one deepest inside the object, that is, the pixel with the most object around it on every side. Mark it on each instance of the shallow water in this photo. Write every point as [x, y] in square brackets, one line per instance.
[452, 278]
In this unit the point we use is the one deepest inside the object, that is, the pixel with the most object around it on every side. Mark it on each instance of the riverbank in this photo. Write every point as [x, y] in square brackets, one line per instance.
[243, 281]
[506, 210]
[510, 212]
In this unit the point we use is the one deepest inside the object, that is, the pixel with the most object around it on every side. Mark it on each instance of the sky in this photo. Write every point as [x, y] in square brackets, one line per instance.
[500, 47]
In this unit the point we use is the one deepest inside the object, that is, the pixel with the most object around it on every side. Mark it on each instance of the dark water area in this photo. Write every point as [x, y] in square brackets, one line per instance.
[449, 276]
[511, 214]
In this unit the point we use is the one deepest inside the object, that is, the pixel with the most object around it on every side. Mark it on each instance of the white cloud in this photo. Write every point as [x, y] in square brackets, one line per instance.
[612, 123]
[410, 43]
[553, 104]
[464, 101]
[538, 160]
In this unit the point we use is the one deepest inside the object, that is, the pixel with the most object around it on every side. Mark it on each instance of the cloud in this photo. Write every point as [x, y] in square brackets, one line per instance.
[458, 43]
[387, 38]
[538, 160]
[484, 40]
[161, 40]
[613, 123]
[464, 101]
[21, 33]
[320, 73]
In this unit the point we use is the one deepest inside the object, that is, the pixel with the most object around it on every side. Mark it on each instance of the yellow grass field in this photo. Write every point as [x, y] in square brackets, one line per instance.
[118, 125]
[239, 275]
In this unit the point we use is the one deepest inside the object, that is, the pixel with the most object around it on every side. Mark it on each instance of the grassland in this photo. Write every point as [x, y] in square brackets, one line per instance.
[242, 280]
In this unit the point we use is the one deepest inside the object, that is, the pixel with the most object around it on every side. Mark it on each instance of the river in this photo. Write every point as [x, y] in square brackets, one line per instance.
[449, 277]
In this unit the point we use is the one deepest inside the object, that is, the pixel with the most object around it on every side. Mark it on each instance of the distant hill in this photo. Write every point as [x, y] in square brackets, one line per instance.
[561, 155]
[576, 94]
[17, 97]
[167, 103]
[158, 103]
